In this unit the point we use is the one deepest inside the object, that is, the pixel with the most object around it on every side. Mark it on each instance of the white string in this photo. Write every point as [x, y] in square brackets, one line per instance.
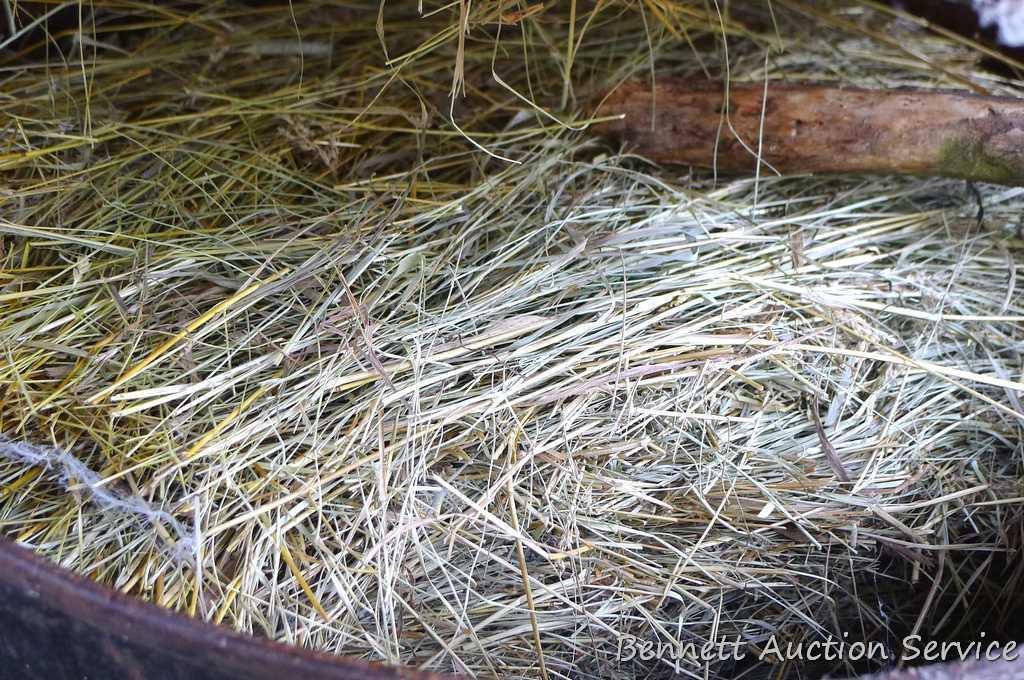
[74, 475]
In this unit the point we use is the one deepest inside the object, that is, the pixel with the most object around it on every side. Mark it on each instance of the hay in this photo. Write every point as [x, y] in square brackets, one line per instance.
[441, 381]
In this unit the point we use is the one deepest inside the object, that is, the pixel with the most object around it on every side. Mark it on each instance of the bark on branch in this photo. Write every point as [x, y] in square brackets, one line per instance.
[818, 128]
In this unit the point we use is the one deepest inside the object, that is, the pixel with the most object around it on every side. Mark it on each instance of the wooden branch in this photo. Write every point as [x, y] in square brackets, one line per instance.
[811, 128]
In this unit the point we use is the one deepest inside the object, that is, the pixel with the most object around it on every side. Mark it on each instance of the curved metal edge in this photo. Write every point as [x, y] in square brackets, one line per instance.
[57, 612]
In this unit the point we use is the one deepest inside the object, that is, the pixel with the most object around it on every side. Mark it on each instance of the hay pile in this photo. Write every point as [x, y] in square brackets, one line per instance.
[297, 342]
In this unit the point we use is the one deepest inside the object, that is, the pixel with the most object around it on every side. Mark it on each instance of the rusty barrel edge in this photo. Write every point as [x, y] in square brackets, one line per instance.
[57, 625]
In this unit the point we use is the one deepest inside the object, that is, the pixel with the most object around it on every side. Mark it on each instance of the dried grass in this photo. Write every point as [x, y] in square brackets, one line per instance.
[417, 403]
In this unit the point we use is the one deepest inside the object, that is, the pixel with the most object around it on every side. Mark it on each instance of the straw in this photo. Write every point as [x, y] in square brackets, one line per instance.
[425, 406]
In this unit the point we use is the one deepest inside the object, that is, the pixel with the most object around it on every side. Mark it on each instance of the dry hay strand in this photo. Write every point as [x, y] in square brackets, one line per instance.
[296, 342]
